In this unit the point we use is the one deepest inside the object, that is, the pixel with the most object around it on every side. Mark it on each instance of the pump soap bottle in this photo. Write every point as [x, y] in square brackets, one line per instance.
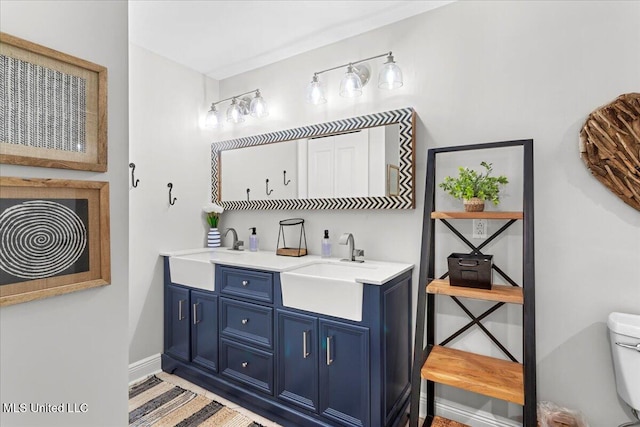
[253, 240]
[326, 245]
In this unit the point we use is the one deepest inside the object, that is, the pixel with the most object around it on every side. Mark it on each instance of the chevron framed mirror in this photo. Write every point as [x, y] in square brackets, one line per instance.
[341, 164]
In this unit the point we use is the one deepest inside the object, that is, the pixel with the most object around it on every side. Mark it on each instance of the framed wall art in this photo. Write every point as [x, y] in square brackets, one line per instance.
[54, 108]
[54, 237]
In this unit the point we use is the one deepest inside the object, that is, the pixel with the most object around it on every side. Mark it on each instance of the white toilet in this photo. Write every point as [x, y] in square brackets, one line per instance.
[624, 333]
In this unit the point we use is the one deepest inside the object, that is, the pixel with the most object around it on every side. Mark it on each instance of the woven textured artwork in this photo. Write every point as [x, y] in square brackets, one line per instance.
[41, 107]
[610, 147]
[154, 402]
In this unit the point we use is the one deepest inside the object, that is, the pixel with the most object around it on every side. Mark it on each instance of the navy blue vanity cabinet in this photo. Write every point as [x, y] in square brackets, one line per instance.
[298, 356]
[204, 329]
[344, 373]
[295, 367]
[191, 325]
[323, 366]
[246, 327]
[177, 326]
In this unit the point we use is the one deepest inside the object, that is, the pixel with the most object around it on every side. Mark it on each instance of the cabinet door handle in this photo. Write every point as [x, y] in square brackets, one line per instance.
[245, 321]
[245, 364]
[180, 316]
[329, 359]
[195, 314]
[245, 283]
[305, 350]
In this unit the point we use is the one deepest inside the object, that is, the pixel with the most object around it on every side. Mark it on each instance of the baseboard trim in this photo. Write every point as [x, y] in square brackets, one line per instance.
[145, 367]
[466, 415]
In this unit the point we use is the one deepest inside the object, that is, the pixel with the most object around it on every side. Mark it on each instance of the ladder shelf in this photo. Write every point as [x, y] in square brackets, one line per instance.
[509, 380]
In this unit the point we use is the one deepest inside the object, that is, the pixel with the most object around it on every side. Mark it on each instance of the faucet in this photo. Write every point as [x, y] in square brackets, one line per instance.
[347, 239]
[237, 244]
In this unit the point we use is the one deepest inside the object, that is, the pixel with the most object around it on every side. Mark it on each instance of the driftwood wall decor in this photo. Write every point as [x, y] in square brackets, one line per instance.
[610, 147]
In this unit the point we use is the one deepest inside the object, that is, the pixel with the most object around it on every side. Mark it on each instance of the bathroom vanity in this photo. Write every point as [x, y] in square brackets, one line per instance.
[303, 341]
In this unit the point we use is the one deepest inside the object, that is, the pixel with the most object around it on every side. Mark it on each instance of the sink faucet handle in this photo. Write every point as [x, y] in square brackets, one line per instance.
[238, 244]
[358, 252]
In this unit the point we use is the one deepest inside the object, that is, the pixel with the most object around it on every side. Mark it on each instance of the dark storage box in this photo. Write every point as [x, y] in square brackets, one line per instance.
[471, 271]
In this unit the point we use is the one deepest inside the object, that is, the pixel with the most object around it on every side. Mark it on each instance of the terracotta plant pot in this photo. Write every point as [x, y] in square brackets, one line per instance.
[473, 205]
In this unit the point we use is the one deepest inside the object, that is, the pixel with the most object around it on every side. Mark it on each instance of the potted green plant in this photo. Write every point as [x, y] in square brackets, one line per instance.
[475, 187]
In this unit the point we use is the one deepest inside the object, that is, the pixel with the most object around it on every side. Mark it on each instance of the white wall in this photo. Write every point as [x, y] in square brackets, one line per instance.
[167, 104]
[73, 348]
[491, 71]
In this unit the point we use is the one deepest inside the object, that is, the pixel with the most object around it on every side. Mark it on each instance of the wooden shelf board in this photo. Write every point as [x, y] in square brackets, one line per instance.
[477, 373]
[501, 293]
[477, 215]
[443, 422]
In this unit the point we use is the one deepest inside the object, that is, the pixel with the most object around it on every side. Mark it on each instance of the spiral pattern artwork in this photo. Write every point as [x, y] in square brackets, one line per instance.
[40, 238]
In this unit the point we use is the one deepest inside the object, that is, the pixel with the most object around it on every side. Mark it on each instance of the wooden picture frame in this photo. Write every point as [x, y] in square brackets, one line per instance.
[393, 180]
[54, 237]
[56, 108]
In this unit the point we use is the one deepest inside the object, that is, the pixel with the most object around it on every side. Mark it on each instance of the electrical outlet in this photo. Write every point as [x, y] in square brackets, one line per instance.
[479, 228]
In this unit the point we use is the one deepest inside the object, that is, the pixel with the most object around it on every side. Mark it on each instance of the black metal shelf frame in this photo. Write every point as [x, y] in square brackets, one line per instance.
[426, 302]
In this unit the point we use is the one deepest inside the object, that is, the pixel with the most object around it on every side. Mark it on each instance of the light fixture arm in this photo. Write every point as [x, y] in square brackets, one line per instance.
[353, 63]
[235, 97]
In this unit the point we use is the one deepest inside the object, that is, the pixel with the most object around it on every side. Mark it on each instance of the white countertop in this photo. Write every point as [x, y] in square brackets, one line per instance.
[373, 272]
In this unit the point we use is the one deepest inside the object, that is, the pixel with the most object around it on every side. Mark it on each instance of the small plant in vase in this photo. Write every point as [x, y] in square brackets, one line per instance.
[475, 187]
[212, 212]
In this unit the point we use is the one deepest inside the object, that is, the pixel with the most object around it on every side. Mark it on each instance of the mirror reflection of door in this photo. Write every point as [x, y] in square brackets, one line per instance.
[338, 166]
[352, 164]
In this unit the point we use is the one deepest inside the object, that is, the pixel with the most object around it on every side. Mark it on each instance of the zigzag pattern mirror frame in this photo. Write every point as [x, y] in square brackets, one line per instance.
[405, 199]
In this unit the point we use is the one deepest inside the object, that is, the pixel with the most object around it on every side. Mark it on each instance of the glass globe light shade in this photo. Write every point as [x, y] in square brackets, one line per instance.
[390, 76]
[315, 92]
[234, 114]
[214, 118]
[351, 85]
[258, 106]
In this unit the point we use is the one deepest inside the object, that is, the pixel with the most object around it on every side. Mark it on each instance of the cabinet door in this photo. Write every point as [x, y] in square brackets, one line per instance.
[297, 357]
[177, 322]
[204, 329]
[344, 373]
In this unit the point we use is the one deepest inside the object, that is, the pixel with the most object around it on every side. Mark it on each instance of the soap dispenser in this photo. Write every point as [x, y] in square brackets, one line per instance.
[253, 240]
[326, 245]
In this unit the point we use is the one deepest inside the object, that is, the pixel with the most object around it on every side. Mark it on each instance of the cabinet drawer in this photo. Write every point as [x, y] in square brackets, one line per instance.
[246, 283]
[247, 322]
[247, 365]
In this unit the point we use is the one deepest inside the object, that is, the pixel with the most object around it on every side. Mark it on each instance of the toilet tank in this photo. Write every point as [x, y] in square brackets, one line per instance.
[624, 334]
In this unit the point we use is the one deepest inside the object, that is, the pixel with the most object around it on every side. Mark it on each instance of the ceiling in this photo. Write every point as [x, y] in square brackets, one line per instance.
[225, 38]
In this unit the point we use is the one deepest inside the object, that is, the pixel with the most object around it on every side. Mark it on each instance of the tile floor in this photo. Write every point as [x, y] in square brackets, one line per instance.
[231, 405]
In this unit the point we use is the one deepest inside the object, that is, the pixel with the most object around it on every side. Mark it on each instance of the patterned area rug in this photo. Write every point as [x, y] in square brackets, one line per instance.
[153, 402]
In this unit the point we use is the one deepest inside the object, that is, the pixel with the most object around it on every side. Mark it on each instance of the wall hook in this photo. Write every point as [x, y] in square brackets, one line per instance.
[248, 190]
[171, 202]
[134, 182]
[285, 178]
[268, 191]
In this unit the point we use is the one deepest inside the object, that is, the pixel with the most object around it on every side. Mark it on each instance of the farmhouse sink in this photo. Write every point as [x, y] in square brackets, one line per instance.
[330, 288]
[197, 270]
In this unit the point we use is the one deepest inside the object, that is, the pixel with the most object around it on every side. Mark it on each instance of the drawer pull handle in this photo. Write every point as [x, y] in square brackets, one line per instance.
[329, 359]
[245, 283]
[180, 316]
[245, 321]
[195, 314]
[245, 364]
[305, 351]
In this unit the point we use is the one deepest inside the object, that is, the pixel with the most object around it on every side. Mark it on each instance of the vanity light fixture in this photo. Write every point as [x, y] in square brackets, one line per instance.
[356, 77]
[241, 106]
